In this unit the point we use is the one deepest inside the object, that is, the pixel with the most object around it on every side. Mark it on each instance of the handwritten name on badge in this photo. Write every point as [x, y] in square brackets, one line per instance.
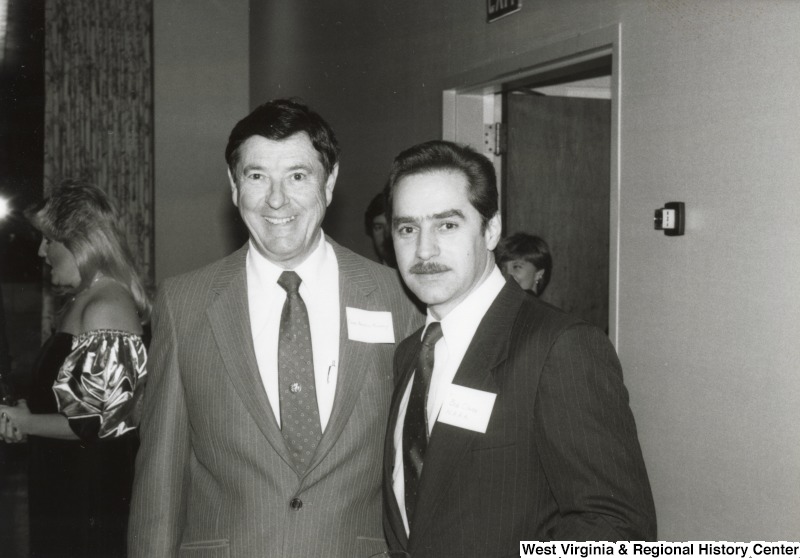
[368, 326]
[467, 408]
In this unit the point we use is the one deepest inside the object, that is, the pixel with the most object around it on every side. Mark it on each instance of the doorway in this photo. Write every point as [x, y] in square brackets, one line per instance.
[582, 223]
[556, 161]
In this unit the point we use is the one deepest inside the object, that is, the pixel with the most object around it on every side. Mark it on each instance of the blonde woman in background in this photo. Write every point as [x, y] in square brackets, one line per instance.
[80, 416]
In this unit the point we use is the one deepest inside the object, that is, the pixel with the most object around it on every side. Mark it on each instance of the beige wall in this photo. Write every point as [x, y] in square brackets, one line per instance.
[708, 334]
[708, 322]
[200, 53]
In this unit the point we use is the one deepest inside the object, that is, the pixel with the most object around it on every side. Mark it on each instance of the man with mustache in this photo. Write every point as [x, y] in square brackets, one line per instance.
[270, 371]
[510, 420]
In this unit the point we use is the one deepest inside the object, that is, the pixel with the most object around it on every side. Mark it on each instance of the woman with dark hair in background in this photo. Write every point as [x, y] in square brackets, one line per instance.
[82, 409]
[526, 258]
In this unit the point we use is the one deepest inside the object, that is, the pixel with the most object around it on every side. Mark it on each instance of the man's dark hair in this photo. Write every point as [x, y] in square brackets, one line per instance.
[278, 119]
[439, 155]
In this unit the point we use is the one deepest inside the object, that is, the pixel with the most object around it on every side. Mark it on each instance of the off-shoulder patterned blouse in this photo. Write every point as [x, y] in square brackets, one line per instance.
[100, 384]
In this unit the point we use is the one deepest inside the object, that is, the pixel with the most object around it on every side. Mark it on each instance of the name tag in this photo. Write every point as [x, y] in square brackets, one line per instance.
[369, 327]
[467, 408]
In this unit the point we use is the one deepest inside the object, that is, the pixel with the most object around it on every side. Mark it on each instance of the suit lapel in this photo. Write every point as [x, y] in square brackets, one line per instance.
[230, 322]
[229, 315]
[406, 364]
[448, 444]
[355, 287]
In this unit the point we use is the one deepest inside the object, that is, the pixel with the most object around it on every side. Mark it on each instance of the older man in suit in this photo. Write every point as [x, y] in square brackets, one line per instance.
[270, 372]
[510, 420]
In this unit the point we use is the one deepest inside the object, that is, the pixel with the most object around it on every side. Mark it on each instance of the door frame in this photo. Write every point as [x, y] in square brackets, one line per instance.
[472, 100]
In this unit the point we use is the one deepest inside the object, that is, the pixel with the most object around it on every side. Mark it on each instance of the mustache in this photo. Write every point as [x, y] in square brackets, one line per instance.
[425, 268]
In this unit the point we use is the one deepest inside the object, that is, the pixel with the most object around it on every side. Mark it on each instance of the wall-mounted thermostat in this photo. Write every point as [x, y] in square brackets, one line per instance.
[670, 218]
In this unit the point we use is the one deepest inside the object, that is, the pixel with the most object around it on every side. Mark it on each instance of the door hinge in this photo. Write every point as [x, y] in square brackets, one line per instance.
[494, 138]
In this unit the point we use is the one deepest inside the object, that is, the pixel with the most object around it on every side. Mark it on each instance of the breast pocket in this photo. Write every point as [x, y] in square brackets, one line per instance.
[219, 548]
[368, 546]
[494, 445]
[499, 435]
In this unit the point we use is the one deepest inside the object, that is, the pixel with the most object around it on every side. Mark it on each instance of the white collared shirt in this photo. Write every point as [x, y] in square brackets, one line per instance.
[320, 292]
[458, 329]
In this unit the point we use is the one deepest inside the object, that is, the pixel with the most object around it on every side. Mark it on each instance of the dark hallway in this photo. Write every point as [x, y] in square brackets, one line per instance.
[13, 501]
[21, 171]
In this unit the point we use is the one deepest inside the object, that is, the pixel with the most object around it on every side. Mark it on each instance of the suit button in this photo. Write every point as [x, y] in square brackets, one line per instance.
[296, 504]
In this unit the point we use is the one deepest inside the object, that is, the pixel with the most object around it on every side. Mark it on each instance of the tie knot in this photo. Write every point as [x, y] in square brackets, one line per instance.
[432, 334]
[289, 281]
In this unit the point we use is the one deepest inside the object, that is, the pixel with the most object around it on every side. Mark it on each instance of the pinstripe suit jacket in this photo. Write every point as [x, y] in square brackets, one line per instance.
[213, 476]
[560, 459]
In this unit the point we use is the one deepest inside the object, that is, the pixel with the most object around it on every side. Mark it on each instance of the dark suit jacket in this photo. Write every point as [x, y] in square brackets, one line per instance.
[560, 459]
[214, 477]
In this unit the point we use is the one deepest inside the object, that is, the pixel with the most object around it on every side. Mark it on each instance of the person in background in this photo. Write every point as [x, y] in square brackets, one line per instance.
[376, 228]
[510, 420]
[527, 259]
[81, 413]
[271, 371]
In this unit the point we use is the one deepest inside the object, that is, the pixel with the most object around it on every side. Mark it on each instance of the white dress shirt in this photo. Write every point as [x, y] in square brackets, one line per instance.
[458, 329]
[320, 292]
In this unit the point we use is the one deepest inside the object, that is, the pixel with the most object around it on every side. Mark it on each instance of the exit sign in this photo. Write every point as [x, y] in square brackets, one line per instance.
[495, 9]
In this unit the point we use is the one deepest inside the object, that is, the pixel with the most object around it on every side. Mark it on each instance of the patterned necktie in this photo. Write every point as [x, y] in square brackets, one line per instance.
[298, 395]
[415, 427]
